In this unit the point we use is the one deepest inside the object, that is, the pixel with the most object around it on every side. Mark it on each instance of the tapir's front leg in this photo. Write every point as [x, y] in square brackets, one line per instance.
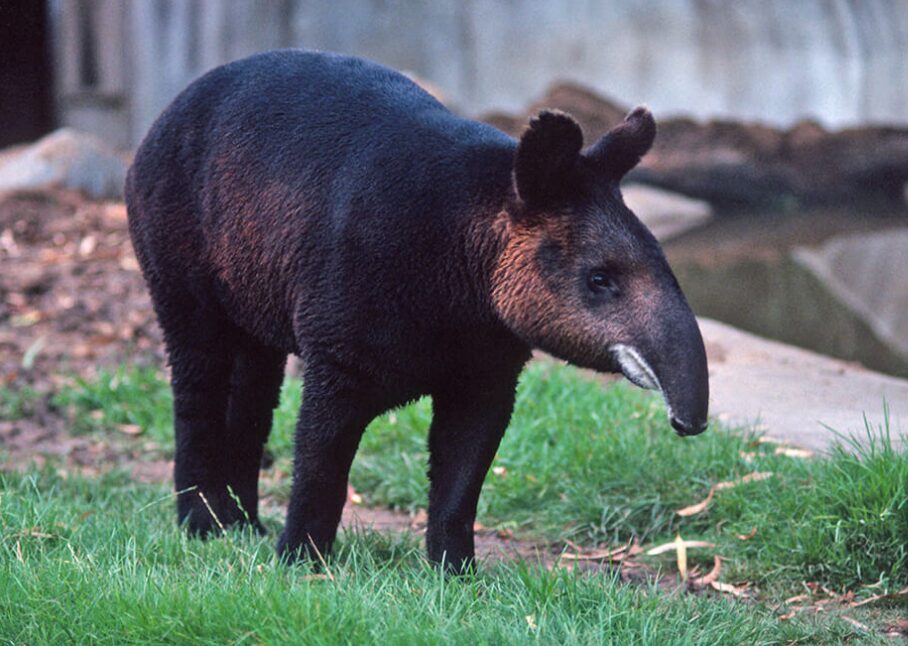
[333, 416]
[469, 419]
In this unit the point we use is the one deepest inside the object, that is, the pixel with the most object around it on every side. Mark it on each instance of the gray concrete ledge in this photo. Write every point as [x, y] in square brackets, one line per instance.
[795, 395]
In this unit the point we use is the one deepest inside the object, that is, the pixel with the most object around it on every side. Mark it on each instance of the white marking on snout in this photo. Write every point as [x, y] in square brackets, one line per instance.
[635, 367]
[639, 372]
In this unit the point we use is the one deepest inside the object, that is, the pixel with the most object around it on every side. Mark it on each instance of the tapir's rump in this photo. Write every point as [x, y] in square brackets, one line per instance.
[298, 202]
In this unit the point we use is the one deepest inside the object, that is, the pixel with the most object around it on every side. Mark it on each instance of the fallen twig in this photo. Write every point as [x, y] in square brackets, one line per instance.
[668, 547]
[701, 506]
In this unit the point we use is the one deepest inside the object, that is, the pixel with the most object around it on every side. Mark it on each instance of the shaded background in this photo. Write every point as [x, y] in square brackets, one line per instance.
[117, 63]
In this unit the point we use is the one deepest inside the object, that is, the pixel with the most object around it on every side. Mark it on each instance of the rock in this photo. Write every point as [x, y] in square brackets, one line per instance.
[752, 164]
[794, 395]
[594, 113]
[69, 159]
[868, 272]
[666, 214]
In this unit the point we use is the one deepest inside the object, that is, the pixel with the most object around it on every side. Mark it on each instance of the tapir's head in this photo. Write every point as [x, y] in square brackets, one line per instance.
[582, 278]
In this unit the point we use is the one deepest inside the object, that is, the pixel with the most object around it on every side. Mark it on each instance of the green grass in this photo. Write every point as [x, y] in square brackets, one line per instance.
[600, 465]
[99, 561]
[18, 402]
[126, 395]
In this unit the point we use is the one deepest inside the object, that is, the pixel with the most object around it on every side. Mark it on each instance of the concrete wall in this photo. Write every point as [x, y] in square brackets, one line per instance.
[840, 61]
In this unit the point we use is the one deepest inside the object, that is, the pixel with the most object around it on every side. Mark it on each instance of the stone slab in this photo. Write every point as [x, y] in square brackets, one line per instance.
[666, 214]
[794, 395]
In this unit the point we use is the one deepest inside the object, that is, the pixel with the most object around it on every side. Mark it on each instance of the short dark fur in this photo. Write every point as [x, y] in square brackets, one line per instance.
[296, 202]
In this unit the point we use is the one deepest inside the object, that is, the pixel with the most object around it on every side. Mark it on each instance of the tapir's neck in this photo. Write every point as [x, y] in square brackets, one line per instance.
[484, 241]
[482, 188]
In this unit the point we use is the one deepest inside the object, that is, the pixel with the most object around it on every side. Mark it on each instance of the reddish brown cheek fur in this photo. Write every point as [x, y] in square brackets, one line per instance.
[545, 311]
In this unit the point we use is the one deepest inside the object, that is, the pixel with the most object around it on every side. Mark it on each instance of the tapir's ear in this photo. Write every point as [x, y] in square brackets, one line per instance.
[622, 147]
[547, 156]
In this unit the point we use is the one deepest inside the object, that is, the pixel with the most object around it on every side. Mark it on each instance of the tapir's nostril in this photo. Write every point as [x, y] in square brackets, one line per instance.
[685, 428]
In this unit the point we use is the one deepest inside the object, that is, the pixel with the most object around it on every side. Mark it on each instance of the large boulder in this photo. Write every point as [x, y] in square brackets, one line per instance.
[65, 158]
[594, 113]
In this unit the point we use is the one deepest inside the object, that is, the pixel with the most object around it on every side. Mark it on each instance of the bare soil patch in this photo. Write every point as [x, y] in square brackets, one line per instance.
[72, 299]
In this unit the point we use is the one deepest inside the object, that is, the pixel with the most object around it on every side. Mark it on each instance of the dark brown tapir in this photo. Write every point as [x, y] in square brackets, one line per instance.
[322, 205]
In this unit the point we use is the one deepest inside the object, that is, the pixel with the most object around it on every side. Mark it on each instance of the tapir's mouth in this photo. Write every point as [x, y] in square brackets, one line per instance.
[634, 367]
[639, 372]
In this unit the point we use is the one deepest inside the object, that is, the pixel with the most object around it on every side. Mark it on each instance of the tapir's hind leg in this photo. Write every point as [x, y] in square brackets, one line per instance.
[255, 385]
[225, 387]
[201, 345]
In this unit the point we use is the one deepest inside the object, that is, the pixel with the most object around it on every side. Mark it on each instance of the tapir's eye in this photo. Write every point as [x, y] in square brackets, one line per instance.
[601, 282]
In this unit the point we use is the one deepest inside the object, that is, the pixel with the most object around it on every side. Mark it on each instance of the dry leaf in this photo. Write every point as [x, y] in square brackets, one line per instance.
[617, 554]
[712, 575]
[877, 597]
[25, 320]
[596, 555]
[130, 429]
[500, 471]
[800, 597]
[728, 588]
[856, 623]
[87, 245]
[681, 556]
[419, 519]
[353, 497]
[750, 477]
[700, 506]
[129, 263]
[668, 547]
[749, 535]
[531, 622]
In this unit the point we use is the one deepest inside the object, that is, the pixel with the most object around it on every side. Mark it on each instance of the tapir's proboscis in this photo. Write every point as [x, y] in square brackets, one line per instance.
[321, 205]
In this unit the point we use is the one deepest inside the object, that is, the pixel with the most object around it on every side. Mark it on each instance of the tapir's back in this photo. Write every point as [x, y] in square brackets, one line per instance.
[287, 170]
[287, 112]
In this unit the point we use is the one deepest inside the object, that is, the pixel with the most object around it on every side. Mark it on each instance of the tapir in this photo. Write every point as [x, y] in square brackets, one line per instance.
[326, 206]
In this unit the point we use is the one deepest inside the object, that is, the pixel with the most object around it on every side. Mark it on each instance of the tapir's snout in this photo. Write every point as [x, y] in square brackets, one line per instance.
[671, 359]
[685, 429]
